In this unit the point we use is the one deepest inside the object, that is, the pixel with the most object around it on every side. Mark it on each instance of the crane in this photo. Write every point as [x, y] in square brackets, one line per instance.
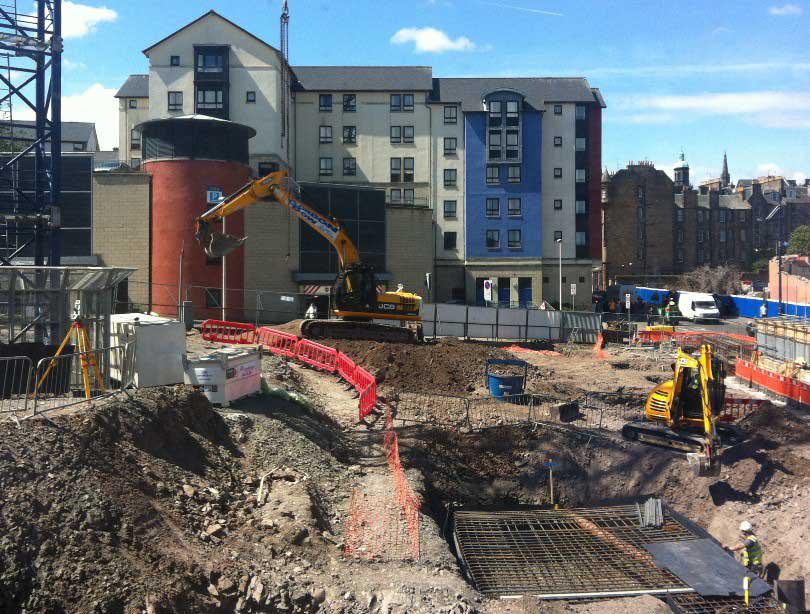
[356, 299]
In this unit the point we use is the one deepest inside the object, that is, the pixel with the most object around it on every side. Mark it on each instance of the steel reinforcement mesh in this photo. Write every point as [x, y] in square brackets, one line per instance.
[572, 553]
[693, 603]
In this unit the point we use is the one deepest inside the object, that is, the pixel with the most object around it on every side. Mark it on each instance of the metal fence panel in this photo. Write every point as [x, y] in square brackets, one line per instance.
[15, 375]
[588, 324]
[451, 320]
[481, 322]
[545, 325]
[512, 324]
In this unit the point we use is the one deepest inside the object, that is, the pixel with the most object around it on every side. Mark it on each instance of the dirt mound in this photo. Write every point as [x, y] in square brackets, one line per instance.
[449, 366]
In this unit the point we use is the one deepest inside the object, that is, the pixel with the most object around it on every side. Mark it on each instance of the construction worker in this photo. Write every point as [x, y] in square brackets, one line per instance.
[751, 549]
[763, 309]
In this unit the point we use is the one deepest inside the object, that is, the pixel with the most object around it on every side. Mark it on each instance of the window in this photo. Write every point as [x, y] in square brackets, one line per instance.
[213, 298]
[210, 98]
[564, 279]
[495, 114]
[396, 134]
[581, 239]
[408, 174]
[580, 176]
[495, 142]
[211, 61]
[450, 143]
[557, 141]
[581, 280]
[546, 279]
[512, 113]
[580, 144]
[325, 103]
[407, 102]
[580, 112]
[396, 170]
[450, 240]
[679, 235]
[723, 216]
[450, 115]
[133, 103]
[135, 139]
[396, 195]
[250, 97]
[513, 208]
[493, 239]
[396, 102]
[513, 239]
[679, 255]
[557, 172]
[512, 145]
[350, 134]
[558, 235]
[580, 207]
[493, 174]
[557, 109]
[450, 175]
[701, 215]
[79, 146]
[558, 203]
[450, 207]
[513, 174]
[722, 235]
[325, 167]
[175, 101]
[493, 207]
[604, 194]
[407, 134]
[325, 134]
[349, 103]
[407, 196]
[679, 215]
[349, 167]
[174, 60]
[740, 216]
[701, 235]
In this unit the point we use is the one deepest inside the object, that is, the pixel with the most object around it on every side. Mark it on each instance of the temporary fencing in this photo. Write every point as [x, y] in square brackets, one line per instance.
[366, 385]
[787, 387]
[346, 369]
[228, 332]
[317, 356]
[15, 374]
[277, 342]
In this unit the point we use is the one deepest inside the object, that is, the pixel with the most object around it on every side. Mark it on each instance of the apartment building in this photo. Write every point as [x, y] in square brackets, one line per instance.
[505, 171]
[133, 109]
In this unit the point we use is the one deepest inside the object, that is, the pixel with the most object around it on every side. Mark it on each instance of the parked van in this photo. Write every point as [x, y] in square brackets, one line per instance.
[698, 306]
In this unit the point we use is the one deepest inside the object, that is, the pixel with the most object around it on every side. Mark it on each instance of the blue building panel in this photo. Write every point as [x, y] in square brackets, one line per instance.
[478, 191]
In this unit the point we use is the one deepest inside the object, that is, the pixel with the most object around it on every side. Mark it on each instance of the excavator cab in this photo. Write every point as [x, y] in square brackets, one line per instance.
[356, 290]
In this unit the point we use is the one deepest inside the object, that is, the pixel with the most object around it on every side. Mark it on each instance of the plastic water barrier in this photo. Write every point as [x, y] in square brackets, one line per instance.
[782, 385]
[317, 355]
[276, 342]
[366, 385]
[346, 368]
[228, 332]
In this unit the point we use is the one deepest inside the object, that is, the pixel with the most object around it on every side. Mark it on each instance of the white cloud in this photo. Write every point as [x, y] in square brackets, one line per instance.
[431, 40]
[523, 8]
[71, 65]
[81, 19]
[786, 10]
[97, 105]
[668, 70]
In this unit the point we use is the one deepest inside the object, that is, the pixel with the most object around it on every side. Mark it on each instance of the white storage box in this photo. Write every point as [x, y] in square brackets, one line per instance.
[225, 375]
[160, 346]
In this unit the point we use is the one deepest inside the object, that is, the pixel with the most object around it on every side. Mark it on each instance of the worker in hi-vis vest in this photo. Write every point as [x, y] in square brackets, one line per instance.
[751, 548]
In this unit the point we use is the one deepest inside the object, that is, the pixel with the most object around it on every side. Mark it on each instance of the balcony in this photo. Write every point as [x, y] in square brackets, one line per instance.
[417, 202]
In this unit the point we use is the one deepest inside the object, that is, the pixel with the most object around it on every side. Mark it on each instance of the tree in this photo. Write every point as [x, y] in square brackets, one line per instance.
[800, 241]
[714, 280]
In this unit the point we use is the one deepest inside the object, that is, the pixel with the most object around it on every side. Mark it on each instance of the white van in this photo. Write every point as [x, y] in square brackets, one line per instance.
[698, 306]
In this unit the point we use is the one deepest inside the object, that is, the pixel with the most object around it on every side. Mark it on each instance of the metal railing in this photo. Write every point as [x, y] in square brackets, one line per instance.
[15, 374]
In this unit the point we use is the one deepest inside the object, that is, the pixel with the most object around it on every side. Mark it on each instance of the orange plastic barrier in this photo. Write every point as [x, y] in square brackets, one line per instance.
[782, 385]
[346, 368]
[228, 332]
[366, 384]
[316, 355]
[277, 342]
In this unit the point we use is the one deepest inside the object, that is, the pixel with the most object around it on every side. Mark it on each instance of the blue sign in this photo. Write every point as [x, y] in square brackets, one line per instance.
[213, 195]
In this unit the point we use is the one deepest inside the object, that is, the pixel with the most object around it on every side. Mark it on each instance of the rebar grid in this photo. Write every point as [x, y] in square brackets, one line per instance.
[693, 603]
[565, 553]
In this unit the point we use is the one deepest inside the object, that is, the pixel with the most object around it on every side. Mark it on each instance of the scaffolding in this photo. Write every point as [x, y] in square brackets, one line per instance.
[30, 151]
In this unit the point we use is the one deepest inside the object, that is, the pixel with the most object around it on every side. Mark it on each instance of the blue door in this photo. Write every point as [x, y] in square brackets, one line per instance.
[503, 291]
[525, 291]
[479, 291]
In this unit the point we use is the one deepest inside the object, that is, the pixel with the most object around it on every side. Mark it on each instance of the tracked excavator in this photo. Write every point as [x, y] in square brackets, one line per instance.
[356, 300]
[681, 413]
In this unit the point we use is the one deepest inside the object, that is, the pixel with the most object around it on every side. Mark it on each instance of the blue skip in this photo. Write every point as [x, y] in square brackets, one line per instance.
[505, 385]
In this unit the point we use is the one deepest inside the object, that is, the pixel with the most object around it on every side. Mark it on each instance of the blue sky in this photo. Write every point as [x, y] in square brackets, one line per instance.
[698, 75]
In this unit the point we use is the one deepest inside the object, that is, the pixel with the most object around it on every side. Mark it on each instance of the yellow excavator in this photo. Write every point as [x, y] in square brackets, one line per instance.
[356, 300]
[681, 413]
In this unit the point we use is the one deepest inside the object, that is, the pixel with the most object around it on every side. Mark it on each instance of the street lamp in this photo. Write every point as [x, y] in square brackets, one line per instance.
[779, 207]
[559, 245]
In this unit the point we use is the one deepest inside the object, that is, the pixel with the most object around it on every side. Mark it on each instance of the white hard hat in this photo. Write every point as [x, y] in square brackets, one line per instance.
[746, 526]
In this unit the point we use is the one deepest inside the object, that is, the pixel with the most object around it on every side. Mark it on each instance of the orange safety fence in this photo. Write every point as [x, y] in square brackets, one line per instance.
[277, 342]
[316, 355]
[366, 385]
[788, 387]
[346, 368]
[228, 332]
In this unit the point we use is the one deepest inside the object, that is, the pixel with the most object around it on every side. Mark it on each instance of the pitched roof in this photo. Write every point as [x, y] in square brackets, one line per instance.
[200, 18]
[364, 78]
[733, 201]
[136, 86]
[536, 90]
[74, 132]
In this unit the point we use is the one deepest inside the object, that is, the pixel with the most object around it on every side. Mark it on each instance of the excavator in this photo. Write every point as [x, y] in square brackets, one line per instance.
[681, 413]
[356, 300]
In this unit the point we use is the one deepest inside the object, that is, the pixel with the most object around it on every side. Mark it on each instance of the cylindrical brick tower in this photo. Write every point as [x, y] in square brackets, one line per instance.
[190, 159]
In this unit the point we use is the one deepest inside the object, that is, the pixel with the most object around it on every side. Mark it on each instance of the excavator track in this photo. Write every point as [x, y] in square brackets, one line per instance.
[685, 441]
[353, 330]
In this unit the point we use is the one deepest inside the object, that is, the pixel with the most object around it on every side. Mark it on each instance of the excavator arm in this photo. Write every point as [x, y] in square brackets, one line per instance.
[274, 187]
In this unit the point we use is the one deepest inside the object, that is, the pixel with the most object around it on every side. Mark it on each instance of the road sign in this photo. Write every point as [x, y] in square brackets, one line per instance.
[627, 301]
[573, 289]
[213, 195]
[488, 290]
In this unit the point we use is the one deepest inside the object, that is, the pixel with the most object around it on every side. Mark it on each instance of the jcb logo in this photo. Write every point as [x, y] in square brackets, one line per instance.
[388, 306]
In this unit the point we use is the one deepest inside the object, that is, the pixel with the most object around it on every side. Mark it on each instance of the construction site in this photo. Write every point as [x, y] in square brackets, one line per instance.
[362, 450]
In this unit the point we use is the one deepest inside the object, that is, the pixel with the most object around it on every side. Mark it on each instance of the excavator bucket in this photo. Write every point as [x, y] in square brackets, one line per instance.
[220, 244]
[702, 466]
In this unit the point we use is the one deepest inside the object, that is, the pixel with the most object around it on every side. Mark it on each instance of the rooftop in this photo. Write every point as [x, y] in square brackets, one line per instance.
[364, 78]
[74, 132]
[136, 86]
[537, 91]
